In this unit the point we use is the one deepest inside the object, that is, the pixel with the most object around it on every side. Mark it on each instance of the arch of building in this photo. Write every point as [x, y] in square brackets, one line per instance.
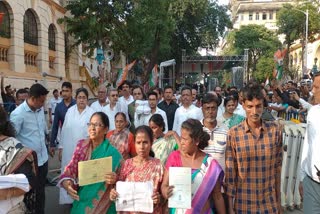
[23, 56]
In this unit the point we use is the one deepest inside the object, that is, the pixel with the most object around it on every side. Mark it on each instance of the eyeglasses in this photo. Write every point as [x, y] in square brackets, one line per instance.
[95, 125]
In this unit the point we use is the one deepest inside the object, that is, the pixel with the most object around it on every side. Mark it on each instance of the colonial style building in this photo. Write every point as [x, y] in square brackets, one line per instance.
[32, 43]
[260, 12]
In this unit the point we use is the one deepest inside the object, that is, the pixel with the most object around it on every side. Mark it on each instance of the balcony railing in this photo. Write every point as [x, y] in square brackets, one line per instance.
[4, 54]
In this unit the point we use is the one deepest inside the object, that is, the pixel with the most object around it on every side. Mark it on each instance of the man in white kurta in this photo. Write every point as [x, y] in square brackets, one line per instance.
[74, 129]
[143, 119]
[102, 99]
[113, 108]
[186, 111]
[310, 158]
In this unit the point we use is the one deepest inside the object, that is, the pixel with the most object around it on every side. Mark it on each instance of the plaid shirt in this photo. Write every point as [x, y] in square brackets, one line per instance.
[253, 168]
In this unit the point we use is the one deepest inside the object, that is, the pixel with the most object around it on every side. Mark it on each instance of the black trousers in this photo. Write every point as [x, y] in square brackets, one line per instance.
[40, 193]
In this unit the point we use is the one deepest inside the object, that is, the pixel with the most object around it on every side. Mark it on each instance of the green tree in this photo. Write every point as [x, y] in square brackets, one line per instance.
[147, 30]
[291, 23]
[265, 67]
[199, 23]
[258, 39]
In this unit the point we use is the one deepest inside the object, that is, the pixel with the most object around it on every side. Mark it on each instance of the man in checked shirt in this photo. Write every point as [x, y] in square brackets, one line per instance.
[253, 160]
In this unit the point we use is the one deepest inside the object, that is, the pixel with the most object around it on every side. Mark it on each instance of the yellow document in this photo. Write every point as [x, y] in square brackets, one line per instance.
[93, 171]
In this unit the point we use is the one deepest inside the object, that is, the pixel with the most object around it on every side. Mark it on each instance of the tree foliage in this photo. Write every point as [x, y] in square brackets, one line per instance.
[265, 67]
[258, 39]
[149, 30]
[291, 22]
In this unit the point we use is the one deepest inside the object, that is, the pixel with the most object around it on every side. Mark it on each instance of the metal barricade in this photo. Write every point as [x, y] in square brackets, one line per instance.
[293, 137]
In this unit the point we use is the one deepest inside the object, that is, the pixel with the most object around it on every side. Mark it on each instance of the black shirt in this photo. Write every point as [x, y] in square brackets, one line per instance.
[170, 111]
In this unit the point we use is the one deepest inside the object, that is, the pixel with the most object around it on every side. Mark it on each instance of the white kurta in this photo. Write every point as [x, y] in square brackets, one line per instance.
[111, 113]
[182, 114]
[74, 129]
[143, 119]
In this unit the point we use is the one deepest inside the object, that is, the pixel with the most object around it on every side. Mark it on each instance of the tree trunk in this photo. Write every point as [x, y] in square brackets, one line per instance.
[153, 57]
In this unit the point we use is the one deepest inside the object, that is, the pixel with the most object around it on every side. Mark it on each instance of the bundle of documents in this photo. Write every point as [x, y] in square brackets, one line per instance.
[134, 196]
[8, 181]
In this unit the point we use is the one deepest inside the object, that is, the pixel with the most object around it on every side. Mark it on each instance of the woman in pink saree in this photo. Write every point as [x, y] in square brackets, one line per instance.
[206, 175]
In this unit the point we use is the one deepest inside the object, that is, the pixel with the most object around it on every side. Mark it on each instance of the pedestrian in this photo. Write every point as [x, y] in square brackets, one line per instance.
[113, 107]
[102, 99]
[253, 160]
[74, 129]
[93, 198]
[186, 110]
[7, 95]
[31, 130]
[60, 113]
[218, 134]
[137, 92]
[143, 119]
[207, 174]
[142, 168]
[168, 105]
[53, 102]
[310, 159]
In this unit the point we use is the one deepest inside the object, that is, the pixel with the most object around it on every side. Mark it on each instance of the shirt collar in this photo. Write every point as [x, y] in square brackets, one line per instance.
[27, 107]
[247, 128]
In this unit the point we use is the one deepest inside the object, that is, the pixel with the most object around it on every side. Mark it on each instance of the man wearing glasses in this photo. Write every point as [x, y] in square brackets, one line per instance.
[113, 108]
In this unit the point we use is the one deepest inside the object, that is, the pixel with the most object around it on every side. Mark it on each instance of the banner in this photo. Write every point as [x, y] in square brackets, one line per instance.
[123, 73]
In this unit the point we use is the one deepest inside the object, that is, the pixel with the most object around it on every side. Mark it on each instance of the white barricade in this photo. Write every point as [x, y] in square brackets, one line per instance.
[293, 137]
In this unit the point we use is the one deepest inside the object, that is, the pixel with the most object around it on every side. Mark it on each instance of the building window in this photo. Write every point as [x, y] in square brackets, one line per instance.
[264, 16]
[30, 28]
[271, 15]
[257, 16]
[5, 26]
[242, 17]
[250, 16]
[52, 38]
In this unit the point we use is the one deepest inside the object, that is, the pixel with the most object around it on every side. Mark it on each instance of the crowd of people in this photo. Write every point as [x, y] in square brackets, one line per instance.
[230, 138]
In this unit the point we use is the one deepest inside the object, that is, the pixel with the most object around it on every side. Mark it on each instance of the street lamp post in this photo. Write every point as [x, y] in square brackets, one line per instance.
[305, 60]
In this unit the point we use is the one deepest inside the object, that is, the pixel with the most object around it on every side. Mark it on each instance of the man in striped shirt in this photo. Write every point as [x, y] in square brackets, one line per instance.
[218, 135]
[253, 160]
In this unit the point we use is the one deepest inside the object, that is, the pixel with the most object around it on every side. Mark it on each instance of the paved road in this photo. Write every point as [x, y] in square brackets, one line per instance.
[52, 193]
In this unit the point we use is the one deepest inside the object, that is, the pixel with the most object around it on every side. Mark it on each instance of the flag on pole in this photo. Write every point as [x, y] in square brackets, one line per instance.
[123, 73]
[267, 81]
[153, 79]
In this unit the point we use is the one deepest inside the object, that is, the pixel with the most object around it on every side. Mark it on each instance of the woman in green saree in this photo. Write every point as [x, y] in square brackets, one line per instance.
[229, 119]
[93, 198]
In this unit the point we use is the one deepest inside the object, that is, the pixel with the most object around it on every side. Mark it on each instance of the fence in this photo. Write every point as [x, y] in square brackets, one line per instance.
[293, 137]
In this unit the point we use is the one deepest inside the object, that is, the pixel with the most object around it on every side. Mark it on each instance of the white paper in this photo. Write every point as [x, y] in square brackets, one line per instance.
[134, 196]
[8, 181]
[180, 178]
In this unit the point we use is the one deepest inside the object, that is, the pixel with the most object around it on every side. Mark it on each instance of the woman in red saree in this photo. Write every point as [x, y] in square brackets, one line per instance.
[121, 137]
[143, 167]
